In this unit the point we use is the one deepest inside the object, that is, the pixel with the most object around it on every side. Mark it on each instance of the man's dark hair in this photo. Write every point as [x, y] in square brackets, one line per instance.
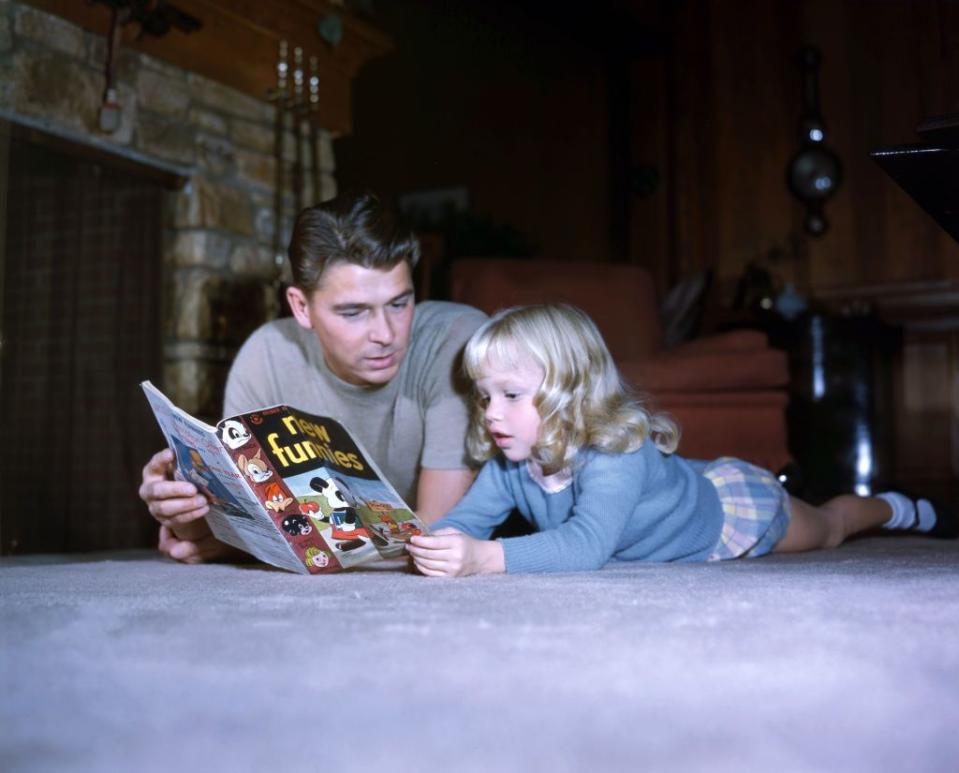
[347, 229]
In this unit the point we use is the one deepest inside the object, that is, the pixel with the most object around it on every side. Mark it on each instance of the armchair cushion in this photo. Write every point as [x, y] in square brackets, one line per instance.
[730, 341]
[708, 372]
[750, 425]
[725, 390]
[741, 359]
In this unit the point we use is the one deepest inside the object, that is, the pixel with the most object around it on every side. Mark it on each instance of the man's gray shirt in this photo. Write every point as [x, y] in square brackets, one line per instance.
[416, 420]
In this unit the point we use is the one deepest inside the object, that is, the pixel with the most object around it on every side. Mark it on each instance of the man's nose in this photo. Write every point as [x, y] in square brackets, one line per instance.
[381, 329]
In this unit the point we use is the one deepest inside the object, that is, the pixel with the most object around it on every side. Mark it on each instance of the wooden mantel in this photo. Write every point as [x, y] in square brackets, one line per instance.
[239, 42]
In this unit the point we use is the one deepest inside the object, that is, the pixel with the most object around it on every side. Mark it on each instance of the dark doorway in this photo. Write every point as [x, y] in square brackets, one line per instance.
[80, 322]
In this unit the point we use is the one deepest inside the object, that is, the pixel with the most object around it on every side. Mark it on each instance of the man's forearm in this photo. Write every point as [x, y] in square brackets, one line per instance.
[439, 490]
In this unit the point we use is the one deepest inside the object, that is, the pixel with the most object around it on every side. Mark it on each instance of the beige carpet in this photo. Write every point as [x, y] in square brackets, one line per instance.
[840, 661]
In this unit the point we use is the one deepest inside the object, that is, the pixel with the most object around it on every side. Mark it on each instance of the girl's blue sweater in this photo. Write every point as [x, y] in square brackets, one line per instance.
[640, 506]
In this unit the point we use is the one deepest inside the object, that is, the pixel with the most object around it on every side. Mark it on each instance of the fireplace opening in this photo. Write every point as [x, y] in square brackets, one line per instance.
[82, 284]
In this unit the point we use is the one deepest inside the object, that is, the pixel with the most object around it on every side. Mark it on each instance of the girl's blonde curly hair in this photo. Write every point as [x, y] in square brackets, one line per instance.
[582, 400]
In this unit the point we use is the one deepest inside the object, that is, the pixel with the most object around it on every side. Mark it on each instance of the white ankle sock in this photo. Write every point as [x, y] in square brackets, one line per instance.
[905, 512]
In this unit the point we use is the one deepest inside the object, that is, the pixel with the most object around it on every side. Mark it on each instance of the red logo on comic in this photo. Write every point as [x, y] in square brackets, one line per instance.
[255, 418]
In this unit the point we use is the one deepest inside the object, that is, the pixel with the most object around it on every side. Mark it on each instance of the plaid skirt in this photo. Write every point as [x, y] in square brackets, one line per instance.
[755, 506]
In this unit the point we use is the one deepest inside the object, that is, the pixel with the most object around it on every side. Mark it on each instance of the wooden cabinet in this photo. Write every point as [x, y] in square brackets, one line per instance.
[925, 396]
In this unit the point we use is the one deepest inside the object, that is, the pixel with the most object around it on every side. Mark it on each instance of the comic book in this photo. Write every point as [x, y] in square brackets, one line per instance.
[295, 490]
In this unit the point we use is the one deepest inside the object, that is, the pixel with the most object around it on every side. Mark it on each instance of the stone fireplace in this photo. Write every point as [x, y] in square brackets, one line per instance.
[216, 147]
[209, 223]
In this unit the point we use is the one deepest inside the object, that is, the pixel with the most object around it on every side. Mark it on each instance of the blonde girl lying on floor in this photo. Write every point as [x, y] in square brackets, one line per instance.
[597, 476]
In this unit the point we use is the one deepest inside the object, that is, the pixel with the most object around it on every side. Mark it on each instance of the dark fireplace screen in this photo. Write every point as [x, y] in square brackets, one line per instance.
[80, 328]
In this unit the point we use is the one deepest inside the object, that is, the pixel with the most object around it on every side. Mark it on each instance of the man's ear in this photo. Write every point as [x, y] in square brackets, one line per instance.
[300, 306]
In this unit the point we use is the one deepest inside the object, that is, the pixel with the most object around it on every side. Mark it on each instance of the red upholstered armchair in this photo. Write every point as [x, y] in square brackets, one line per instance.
[727, 391]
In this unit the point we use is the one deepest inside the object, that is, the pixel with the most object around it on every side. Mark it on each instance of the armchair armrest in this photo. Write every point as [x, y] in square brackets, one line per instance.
[709, 370]
[730, 341]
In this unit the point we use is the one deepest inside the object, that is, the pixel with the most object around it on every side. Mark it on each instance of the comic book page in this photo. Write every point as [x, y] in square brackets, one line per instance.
[236, 516]
[320, 486]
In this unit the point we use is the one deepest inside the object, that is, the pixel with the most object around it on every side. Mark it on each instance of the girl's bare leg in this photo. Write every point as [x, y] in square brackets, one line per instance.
[830, 524]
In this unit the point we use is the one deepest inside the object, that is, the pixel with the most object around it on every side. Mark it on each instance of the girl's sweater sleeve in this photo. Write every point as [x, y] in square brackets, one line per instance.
[484, 507]
[608, 494]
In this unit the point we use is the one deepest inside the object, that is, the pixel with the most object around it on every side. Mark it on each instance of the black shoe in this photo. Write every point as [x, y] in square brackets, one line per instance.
[946, 525]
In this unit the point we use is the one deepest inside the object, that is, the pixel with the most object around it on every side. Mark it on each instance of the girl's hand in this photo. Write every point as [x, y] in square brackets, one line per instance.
[450, 553]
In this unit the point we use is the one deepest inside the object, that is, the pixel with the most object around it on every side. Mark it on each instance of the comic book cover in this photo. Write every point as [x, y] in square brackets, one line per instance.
[320, 486]
[295, 490]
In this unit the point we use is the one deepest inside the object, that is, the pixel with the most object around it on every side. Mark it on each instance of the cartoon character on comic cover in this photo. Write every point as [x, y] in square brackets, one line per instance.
[276, 498]
[352, 514]
[255, 468]
[398, 531]
[297, 525]
[347, 528]
[317, 558]
[258, 472]
[234, 435]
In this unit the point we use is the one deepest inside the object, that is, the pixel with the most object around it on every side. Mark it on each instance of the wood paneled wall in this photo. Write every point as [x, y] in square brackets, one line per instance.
[239, 40]
[718, 116]
[484, 96]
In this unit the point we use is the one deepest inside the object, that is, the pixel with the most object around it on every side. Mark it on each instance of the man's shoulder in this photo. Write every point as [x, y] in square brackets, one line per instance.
[443, 314]
[279, 331]
[440, 330]
[278, 339]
